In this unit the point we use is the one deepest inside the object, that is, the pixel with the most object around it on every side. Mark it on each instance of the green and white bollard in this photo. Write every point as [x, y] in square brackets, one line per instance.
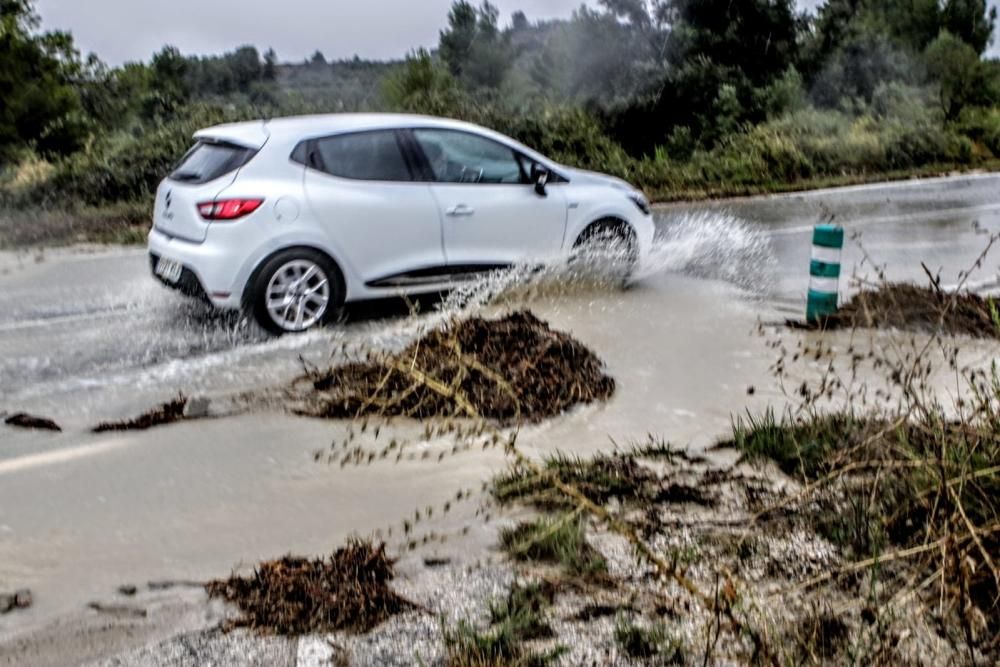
[824, 272]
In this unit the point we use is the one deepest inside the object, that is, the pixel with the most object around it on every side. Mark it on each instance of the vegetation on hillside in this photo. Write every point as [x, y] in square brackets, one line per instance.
[683, 97]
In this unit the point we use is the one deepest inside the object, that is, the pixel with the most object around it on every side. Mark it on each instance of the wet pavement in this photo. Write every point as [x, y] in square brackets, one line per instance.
[87, 336]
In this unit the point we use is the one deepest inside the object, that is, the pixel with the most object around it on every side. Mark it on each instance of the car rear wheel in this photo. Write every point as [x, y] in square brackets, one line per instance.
[297, 290]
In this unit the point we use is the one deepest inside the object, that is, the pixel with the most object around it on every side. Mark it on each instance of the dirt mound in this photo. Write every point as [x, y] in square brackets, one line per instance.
[295, 596]
[915, 308]
[508, 369]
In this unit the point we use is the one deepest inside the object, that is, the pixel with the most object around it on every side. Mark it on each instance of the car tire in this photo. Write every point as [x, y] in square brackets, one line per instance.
[296, 290]
[610, 246]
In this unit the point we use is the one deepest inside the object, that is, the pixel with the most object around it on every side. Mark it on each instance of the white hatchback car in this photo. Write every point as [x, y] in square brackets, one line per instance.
[291, 218]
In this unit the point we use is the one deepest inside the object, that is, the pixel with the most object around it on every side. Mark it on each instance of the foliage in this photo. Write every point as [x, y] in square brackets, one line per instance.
[680, 97]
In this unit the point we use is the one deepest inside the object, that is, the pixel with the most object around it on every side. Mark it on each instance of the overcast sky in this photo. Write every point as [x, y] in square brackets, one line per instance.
[121, 30]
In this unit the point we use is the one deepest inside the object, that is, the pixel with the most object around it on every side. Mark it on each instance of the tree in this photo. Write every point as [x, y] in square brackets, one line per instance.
[245, 68]
[270, 72]
[169, 86]
[317, 59]
[962, 79]
[474, 49]
[519, 22]
[757, 37]
[39, 106]
[970, 21]
[420, 85]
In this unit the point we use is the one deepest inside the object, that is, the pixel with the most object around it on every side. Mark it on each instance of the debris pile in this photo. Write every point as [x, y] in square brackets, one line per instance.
[24, 420]
[294, 596]
[915, 308]
[168, 413]
[508, 369]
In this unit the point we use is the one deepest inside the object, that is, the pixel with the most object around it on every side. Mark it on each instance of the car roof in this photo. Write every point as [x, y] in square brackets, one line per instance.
[256, 133]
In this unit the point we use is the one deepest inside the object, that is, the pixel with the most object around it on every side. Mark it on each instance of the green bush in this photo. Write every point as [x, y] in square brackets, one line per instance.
[127, 165]
[982, 125]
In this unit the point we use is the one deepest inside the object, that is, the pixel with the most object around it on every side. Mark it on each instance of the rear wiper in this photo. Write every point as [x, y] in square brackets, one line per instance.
[185, 176]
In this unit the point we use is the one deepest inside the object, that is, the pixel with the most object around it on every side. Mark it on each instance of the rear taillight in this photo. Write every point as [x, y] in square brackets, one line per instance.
[228, 209]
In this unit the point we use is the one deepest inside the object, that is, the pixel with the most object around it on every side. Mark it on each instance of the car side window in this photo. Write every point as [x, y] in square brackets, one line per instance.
[363, 156]
[461, 157]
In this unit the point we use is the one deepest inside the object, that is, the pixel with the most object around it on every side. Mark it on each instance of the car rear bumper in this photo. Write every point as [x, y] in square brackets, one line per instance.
[207, 272]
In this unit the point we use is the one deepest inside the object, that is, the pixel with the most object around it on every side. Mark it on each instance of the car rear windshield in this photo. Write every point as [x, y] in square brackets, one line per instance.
[208, 160]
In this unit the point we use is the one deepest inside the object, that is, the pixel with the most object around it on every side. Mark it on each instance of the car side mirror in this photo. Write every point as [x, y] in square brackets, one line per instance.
[540, 177]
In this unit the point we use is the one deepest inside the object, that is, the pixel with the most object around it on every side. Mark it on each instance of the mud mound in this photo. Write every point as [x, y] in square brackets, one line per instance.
[915, 308]
[168, 413]
[294, 596]
[512, 368]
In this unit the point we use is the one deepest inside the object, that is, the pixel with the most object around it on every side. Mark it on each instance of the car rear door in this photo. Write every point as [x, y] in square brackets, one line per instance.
[490, 212]
[362, 188]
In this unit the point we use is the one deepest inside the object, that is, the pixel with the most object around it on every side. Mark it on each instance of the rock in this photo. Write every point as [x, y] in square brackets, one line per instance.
[128, 590]
[17, 600]
[197, 408]
[23, 599]
[24, 420]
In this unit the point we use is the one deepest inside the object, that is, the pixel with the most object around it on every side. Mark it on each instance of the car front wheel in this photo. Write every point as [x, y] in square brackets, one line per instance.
[297, 290]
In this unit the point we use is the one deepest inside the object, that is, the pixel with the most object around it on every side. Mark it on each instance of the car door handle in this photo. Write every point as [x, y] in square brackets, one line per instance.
[460, 211]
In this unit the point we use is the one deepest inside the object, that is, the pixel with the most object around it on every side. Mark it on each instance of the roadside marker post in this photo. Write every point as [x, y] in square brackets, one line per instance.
[824, 271]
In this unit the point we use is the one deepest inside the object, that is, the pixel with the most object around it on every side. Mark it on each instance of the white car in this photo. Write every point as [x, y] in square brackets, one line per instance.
[291, 218]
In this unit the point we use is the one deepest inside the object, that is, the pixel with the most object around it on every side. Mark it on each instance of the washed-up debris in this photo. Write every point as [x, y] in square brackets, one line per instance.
[128, 590]
[24, 420]
[17, 600]
[294, 596]
[118, 610]
[515, 367]
[168, 413]
[911, 307]
[174, 583]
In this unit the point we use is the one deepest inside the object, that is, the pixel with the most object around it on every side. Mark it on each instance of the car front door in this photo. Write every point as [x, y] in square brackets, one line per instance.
[362, 188]
[490, 212]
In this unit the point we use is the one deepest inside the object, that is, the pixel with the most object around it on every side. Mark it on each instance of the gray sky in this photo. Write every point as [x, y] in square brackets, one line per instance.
[121, 30]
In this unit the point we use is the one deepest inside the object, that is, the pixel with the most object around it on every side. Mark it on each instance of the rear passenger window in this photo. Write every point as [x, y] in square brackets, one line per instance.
[363, 156]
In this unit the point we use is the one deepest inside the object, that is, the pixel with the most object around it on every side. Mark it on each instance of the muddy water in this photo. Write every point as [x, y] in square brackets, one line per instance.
[86, 335]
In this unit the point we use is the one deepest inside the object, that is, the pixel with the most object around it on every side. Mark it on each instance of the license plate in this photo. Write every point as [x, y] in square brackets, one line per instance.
[169, 270]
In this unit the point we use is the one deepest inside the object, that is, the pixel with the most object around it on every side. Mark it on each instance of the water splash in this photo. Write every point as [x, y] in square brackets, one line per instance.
[714, 246]
[709, 245]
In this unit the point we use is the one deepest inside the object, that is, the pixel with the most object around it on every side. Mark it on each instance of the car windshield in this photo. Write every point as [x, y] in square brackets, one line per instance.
[207, 161]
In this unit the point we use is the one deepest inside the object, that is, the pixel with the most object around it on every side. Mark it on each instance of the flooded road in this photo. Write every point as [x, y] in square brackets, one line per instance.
[87, 336]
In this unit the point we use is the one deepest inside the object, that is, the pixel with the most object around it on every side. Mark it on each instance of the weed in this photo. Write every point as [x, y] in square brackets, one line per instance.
[600, 479]
[560, 540]
[652, 643]
[518, 618]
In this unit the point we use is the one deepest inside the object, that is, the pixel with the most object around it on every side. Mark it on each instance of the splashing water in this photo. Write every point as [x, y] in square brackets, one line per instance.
[709, 245]
[714, 246]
